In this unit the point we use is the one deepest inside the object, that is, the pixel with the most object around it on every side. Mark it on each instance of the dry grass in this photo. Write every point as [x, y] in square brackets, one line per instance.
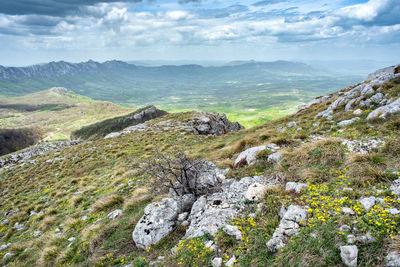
[107, 202]
[313, 160]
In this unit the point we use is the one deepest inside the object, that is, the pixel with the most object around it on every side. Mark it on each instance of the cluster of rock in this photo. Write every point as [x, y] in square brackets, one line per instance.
[8, 161]
[214, 124]
[205, 214]
[362, 147]
[202, 123]
[365, 95]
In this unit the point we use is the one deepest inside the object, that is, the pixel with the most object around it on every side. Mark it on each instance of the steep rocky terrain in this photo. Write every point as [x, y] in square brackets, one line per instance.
[318, 187]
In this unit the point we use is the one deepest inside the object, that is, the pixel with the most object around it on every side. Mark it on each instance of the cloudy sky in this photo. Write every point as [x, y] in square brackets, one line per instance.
[34, 31]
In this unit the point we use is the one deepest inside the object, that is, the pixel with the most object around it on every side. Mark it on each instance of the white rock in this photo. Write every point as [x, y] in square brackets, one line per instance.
[71, 239]
[158, 221]
[367, 238]
[112, 135]
[255, 192]
[393, 211]
[351, 239]
[393, 259]
[233, 231]
[183, 216]
[347, 210]
[291, 124]
[288, 226]
[7, 255]
[3, 247]
[114, 214]
[357, 112]
[367, 202]
[231, 261]
[275, 157]
[384, 111]
[349, 255]
[297, 187]
[348, 122]
[19, 226]
[249, 155]
[217, 262]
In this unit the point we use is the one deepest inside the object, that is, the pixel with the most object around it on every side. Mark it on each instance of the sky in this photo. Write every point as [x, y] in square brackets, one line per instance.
[38, 31]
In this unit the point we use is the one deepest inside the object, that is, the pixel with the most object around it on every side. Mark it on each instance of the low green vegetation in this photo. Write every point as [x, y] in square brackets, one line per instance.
[69, 198]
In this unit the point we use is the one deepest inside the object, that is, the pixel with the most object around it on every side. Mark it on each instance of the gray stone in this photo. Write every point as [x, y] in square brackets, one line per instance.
[214, 124]
[255, 192]
[7, 255]
[231, 261]
[3, 247]
[348, 122]
[367, 202]
[291, 124]
[297, 187]
[217, 262]
[349, 255]
[395, 187]
[393, 259]
[275, 157]
[385, 111]
[71, 239]
[357, 112]
[367, 238]
[233, 231]
[351, 239]
[393, 211]
[183, 216]
[158, 221]
[249, 156]
[288, 226]
[19, 226]
[114, 214]
[347, 210]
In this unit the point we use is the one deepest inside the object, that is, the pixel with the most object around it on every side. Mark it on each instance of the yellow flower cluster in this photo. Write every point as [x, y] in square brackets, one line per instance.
[326, 203]
[192, 252]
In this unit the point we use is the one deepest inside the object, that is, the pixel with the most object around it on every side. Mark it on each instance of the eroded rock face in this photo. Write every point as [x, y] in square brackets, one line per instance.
[289, 226]
[393, 259]
[384, 111]
[214, 124]
[364, 95]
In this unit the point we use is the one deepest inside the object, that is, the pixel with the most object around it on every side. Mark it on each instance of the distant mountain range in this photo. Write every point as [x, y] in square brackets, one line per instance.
[254, 90]
[60, 68]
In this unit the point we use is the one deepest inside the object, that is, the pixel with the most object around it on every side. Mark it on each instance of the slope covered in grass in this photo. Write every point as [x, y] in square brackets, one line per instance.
[62, 199]
[56, 111]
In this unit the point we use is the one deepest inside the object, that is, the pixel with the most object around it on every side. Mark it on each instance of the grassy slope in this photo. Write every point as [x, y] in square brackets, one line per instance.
[97, 177]
[58, 114]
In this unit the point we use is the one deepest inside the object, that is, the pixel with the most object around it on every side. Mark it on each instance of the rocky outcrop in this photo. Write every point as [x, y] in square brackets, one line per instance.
[384, 111]
[365, 95]
[23, 157]
[111, 126]
[200, 123]
[158, 221]
[214, 124]
[206, 214]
